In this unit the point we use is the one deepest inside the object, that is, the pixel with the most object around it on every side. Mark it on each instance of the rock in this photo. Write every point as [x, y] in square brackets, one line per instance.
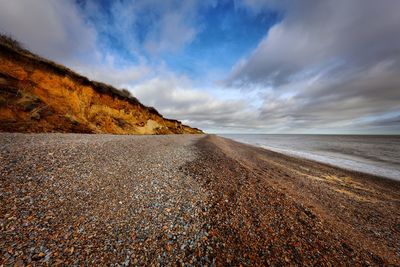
[38, 256]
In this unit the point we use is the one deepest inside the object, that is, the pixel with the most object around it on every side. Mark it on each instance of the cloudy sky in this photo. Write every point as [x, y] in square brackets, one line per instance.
[231, 66]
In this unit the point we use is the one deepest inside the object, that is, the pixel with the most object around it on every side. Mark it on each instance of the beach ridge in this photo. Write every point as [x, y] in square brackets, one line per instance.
[195, 199]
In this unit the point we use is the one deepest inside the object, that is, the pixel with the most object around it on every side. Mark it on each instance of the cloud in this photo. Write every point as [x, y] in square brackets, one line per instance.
[114, 73]
[326, 66]
[258, 6]
[332, 103]
[330, 64]
[175, 97]
[173, 34]
[148, 26]
[55, 29]
[315, 34]
[60, 31]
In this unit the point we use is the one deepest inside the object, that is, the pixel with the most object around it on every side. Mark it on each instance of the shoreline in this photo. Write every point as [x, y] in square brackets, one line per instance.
[347, 161]
[299, 156]
[358, 211]
[102, 199]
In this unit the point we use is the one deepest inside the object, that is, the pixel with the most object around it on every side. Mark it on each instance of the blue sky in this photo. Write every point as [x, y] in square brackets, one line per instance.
[223, 32]
[254, 66]
[217, 47]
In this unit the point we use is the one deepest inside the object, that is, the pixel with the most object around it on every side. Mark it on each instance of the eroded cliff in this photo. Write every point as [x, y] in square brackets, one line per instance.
[37, 95]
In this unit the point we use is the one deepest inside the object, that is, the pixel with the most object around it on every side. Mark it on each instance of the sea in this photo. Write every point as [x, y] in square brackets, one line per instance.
[373, 154]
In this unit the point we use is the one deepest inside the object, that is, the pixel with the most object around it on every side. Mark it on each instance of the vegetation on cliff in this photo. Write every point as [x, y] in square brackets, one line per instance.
[38, 95]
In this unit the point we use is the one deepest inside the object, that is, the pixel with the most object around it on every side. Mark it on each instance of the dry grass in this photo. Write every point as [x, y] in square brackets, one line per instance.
[8, 40]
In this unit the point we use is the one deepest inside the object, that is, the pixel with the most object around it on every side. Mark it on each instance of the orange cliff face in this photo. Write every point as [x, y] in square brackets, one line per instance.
[37, 95]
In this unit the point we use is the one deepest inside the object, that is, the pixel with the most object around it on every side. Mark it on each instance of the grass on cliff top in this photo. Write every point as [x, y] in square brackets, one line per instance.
[11, 42]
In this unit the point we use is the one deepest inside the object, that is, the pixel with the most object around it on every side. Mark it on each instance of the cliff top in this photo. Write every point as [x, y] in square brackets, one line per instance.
[16, 50]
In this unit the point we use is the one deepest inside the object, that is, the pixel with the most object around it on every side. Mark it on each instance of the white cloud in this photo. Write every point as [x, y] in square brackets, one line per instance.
[148, 25]
[174, 33]
[175, 97]
[116, 76]
[54, 29]
[257, 6]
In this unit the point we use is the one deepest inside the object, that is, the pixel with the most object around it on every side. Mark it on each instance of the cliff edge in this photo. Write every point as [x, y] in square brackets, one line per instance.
[38, 95]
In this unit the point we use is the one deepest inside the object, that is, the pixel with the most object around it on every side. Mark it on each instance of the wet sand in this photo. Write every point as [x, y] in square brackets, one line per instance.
[196, 200]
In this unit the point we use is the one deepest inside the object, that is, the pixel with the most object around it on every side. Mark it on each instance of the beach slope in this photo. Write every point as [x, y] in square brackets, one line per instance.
[198, 199]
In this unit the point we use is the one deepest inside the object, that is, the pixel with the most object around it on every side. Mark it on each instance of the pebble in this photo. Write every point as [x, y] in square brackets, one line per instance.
[86, 194]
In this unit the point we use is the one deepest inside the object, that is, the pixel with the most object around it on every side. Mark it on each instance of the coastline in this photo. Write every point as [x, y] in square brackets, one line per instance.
[102, 199]
[365, 153]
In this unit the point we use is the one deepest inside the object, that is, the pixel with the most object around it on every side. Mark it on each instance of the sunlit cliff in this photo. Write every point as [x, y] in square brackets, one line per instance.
[37, 95]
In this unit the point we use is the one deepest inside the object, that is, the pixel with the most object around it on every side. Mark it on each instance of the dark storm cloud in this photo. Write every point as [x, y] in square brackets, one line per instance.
[336, 102]
[327, 65]
[318, 34]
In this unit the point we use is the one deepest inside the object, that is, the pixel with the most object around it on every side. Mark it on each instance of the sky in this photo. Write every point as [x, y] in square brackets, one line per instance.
[231, 66]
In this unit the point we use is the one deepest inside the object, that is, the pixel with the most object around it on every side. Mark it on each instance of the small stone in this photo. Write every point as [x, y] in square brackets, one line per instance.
[38, 256]
[19, 263]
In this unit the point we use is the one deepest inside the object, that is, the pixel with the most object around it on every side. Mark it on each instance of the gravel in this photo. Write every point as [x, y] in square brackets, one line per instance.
[71, 199]
[186, 200]
[268, 209]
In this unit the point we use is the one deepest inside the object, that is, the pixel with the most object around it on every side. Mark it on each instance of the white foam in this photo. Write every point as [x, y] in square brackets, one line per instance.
[374, 155]
[350, 164]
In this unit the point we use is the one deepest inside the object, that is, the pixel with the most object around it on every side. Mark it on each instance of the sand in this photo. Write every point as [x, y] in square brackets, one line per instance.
[76, 199]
